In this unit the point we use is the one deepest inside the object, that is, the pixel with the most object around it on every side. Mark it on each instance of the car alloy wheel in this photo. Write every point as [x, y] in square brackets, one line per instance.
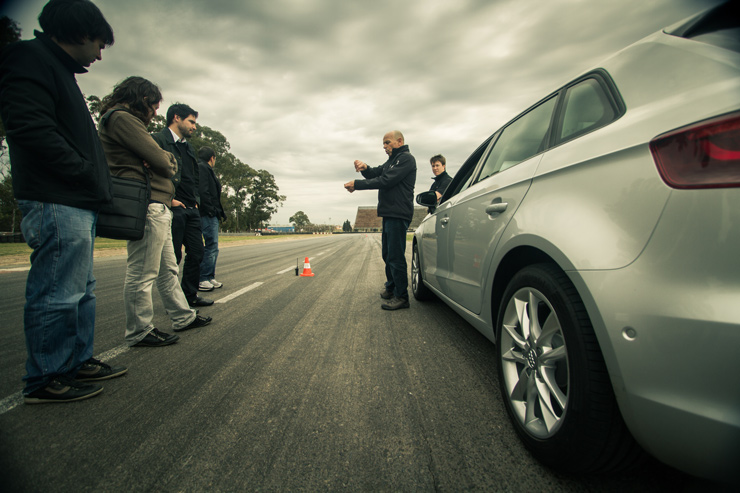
[553, 378]
[534, 360]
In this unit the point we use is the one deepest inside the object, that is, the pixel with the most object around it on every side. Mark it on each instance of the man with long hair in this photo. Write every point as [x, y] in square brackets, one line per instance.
[60, 178]
[132, 153]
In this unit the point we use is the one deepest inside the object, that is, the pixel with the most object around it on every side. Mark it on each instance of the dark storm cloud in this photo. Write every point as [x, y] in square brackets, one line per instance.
[301, 88]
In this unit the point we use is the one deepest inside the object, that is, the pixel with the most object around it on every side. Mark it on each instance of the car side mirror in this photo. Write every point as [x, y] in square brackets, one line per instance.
[427, 199]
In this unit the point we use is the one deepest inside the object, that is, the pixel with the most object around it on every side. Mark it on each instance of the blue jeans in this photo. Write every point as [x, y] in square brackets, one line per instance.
[209, 226]
[394, 256]
[59, 316]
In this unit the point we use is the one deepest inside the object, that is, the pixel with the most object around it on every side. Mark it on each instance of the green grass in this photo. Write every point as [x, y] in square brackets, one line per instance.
[105, 243]
[23, 249]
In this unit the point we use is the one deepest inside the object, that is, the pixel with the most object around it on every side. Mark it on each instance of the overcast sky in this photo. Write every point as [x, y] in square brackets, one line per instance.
[302, 88]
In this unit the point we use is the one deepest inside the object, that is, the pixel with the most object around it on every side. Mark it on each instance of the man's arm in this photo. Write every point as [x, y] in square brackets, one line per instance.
[131, 132]
[405, 164]
[206, 202]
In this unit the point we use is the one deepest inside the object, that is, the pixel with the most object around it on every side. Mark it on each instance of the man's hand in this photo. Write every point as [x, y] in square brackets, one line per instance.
[360, 166]
[350, 186]
[177, 203]
[439, 195]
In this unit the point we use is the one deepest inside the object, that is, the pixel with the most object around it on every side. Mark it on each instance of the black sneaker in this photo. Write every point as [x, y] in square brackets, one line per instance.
[385, 294]
[198, 301]
[157, 338]
[63, 389]
[198, 322]
[395, 303]
[94, 369]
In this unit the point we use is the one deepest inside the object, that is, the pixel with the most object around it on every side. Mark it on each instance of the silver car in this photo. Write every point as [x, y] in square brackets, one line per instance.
[595, 238]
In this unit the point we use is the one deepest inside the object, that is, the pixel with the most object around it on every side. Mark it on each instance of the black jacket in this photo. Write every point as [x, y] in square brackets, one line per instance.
[441, 182]
[55, 152]
[210, 192]
[166, 142]
[394, 181]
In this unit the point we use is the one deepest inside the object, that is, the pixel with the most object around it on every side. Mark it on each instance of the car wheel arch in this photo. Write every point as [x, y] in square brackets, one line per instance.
[514, 261]
[521, 256]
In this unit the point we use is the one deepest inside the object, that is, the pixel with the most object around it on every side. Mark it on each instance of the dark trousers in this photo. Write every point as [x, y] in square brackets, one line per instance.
[394, 256]
[186, 231]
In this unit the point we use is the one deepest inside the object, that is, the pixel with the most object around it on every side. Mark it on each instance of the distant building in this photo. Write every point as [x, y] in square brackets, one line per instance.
[282, 229]
[367, 219]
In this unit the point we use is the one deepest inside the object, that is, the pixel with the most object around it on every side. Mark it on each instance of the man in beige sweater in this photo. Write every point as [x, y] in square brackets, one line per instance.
[131, 152]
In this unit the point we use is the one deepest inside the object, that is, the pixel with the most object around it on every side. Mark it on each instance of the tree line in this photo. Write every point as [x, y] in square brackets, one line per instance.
[302, 224]
[250, 196]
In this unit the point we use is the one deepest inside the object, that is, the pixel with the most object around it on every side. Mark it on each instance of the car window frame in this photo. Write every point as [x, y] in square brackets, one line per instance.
[469, 173]
[609, 92]
[546, 139]
[462, 178]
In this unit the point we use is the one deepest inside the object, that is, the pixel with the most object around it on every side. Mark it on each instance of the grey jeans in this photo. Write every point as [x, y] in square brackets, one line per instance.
[153, 259]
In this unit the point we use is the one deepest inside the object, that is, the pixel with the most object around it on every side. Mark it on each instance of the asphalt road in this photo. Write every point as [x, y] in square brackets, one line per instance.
[299, 384]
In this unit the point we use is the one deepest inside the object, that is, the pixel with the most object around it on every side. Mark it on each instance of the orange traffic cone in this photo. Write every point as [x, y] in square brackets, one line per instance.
[307, 269]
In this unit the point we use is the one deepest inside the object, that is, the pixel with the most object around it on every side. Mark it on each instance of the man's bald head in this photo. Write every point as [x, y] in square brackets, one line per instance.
[392, 140]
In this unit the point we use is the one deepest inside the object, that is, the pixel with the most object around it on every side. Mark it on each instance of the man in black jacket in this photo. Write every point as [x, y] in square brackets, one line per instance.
[394, 181]
[211, 212]
[185, 216]
[441, 179]
[60, 178]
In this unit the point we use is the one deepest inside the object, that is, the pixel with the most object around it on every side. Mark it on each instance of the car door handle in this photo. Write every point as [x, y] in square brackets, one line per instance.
[496, 208]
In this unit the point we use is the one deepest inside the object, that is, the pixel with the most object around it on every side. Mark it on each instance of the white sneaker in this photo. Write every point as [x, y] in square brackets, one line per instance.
[205, 286]
[215, 283]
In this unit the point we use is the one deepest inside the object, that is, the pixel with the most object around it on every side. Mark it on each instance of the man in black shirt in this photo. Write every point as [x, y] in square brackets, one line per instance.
[185, 215]
[441, 178]
[394, 180]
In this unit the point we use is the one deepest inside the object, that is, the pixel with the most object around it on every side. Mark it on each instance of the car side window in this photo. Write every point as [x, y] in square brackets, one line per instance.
[586, 107]
[462, 179]
[520, 140]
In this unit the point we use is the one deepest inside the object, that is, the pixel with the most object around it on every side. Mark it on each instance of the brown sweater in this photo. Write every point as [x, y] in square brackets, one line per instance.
[127, 143]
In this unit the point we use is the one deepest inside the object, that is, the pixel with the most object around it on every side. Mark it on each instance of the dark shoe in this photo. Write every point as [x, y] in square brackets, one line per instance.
[198, 322]
[395, 303]
[93, 369]
[63, 389]
[157, 338]
[198, 301]
[386, 295]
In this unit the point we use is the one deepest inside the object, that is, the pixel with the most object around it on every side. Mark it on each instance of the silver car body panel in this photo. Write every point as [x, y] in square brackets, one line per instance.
[658, 269]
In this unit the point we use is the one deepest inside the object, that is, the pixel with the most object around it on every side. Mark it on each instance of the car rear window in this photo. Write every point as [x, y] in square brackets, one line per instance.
[719, 26]
[586, 108]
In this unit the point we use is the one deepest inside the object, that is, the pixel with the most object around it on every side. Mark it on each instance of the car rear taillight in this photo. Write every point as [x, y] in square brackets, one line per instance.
[702, 155]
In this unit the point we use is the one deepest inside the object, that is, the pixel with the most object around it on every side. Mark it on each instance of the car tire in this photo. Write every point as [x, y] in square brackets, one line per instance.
[418, 288]
[553, 378]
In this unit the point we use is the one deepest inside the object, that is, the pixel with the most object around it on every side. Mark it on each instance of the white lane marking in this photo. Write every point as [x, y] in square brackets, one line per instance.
[15, 269]
[16, 399]
[10, 402]
[240, 292]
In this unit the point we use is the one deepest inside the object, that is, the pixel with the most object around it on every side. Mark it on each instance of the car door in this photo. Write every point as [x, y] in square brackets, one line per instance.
[434, 239]
[476, 217]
